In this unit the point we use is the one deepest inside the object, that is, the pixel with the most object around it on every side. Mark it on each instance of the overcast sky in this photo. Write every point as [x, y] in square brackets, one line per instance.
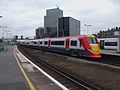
[22, 17]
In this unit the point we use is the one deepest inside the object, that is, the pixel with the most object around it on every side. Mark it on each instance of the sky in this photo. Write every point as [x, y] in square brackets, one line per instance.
[22, 17]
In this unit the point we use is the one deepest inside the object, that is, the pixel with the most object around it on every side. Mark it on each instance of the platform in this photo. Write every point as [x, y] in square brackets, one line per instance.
[40, 78]
[110, 52]
[11, 77]
[17, 73]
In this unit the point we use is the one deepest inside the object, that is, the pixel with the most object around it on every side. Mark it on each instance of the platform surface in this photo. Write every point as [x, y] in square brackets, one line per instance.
[110, 52]
[11, 77]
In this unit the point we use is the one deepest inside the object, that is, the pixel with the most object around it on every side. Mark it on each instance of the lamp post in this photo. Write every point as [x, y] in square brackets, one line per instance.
[87, 25]
[3, 29]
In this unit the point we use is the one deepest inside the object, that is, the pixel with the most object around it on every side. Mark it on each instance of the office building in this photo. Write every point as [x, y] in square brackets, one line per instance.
[51, 21]
[68, 26]
[39, 33]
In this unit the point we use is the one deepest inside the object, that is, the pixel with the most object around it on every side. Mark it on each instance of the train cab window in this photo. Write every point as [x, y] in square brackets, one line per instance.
[46, 42]
[73, 43]
[92, 40]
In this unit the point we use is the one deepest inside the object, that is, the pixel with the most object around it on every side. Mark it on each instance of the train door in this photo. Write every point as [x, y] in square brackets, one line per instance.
[102, 42]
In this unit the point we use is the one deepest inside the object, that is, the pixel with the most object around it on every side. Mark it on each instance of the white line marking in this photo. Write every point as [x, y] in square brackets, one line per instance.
[51, 78]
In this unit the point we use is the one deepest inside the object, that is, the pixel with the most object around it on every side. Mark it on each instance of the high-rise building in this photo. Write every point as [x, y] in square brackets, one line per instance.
[68, 26]
[39, 33]
[51, 21]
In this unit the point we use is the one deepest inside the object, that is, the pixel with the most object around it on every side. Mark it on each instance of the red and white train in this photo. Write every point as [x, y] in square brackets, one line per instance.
[86, 45]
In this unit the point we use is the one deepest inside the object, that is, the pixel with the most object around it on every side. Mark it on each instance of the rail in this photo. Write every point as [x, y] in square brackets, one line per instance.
[78, 81]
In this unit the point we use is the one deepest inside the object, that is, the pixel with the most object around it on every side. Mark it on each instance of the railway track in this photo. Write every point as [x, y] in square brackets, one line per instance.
[106, 59]
[67, 79]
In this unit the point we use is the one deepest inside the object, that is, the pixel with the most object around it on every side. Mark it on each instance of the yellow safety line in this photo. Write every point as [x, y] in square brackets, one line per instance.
[24, 73]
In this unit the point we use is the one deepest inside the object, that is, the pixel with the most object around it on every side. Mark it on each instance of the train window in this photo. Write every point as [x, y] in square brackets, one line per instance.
[80, 44]
[110, 43]
[27, 43]
[73, 43]
[35, 42]
[92, 40]
[40, 42]
[57, 42]
[46, 42]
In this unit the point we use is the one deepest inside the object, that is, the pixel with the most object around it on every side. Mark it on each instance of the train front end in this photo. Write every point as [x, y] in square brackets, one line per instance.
[93, 50]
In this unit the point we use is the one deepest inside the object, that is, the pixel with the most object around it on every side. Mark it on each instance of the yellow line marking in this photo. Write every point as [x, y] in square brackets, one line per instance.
[24, 73]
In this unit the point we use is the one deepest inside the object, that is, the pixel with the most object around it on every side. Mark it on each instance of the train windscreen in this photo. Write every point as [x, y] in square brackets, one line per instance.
[92, 40]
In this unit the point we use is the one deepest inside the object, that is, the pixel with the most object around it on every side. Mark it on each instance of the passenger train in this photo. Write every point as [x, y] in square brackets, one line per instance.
[86, 45]
[108, 43]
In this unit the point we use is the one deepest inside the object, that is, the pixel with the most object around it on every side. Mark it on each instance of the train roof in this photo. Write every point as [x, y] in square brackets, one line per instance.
[82, 36]
[75, 36]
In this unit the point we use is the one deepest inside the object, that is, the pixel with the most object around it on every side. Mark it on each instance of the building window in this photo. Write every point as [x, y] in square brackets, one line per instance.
[73, 43]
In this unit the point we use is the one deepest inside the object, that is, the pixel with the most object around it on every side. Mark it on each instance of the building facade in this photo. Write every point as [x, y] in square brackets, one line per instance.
[39, 33]
[68, 26]
[110, 33]
[51, 21]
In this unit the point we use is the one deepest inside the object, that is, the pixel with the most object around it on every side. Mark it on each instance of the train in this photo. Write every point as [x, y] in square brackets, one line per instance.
[81, 46]
[108, 43]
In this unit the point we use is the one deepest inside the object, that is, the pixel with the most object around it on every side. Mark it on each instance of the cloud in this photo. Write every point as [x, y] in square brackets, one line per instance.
[23, 16]
[101, 14]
